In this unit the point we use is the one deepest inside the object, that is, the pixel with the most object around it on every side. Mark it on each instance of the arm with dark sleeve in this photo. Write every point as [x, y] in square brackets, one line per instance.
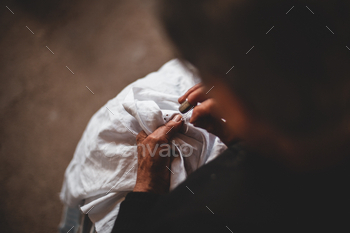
[182, 210]
[152, 213]
[199, 204]
[133, 210]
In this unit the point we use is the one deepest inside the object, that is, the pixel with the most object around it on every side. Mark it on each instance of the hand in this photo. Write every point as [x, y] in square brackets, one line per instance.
[154, 157]
[205, 115]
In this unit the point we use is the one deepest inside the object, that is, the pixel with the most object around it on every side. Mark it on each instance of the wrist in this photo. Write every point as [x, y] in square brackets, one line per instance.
[151, 185]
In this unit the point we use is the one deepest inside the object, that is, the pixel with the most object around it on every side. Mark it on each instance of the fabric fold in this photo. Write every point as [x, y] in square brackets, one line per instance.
[103, 169]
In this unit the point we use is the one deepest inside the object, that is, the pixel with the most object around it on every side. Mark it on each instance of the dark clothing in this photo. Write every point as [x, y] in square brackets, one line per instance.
[240, 192]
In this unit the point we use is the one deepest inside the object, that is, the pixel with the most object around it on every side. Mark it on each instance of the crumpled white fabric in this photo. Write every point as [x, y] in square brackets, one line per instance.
[103, 169]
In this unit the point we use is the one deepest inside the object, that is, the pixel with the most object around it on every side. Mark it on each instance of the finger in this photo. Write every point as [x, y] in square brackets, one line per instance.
[211, 124]
[197, 96]
[206, 108]
[164, 133]
[184, 97]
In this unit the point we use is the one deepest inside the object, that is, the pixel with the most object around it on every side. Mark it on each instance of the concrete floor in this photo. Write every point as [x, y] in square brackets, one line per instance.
[44, 107]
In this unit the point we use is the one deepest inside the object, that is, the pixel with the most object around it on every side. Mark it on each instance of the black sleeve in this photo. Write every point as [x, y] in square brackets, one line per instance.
[133, 210]
[152, 213]
[220, 196]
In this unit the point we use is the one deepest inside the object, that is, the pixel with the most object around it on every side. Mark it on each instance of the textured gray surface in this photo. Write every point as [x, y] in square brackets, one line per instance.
[44, 108]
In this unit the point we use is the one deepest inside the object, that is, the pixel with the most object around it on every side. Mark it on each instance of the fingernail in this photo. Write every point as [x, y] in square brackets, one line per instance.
[177, 118]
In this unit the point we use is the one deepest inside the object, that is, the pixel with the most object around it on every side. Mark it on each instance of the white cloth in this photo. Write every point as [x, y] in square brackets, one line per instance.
[103, 169]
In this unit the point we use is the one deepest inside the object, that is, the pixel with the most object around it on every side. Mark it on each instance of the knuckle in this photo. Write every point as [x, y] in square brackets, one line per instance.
[152, 138]
[163, 139]
[159, 139]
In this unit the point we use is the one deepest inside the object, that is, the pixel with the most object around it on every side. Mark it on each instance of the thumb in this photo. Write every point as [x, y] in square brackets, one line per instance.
[168, 130]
